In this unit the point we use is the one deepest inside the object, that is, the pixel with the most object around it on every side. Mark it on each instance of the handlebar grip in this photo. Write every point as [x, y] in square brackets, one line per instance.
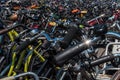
[102, 60]
[62, 57]
[69, 36]
[8, 78]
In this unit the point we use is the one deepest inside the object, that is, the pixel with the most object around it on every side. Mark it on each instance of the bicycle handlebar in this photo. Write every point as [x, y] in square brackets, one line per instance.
[28, 73]
[102, 60]
[3, 31]
[21, 75]
[24, 44]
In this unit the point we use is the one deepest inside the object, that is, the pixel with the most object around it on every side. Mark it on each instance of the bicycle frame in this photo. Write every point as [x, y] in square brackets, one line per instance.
[12, 34]
[27, 60]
